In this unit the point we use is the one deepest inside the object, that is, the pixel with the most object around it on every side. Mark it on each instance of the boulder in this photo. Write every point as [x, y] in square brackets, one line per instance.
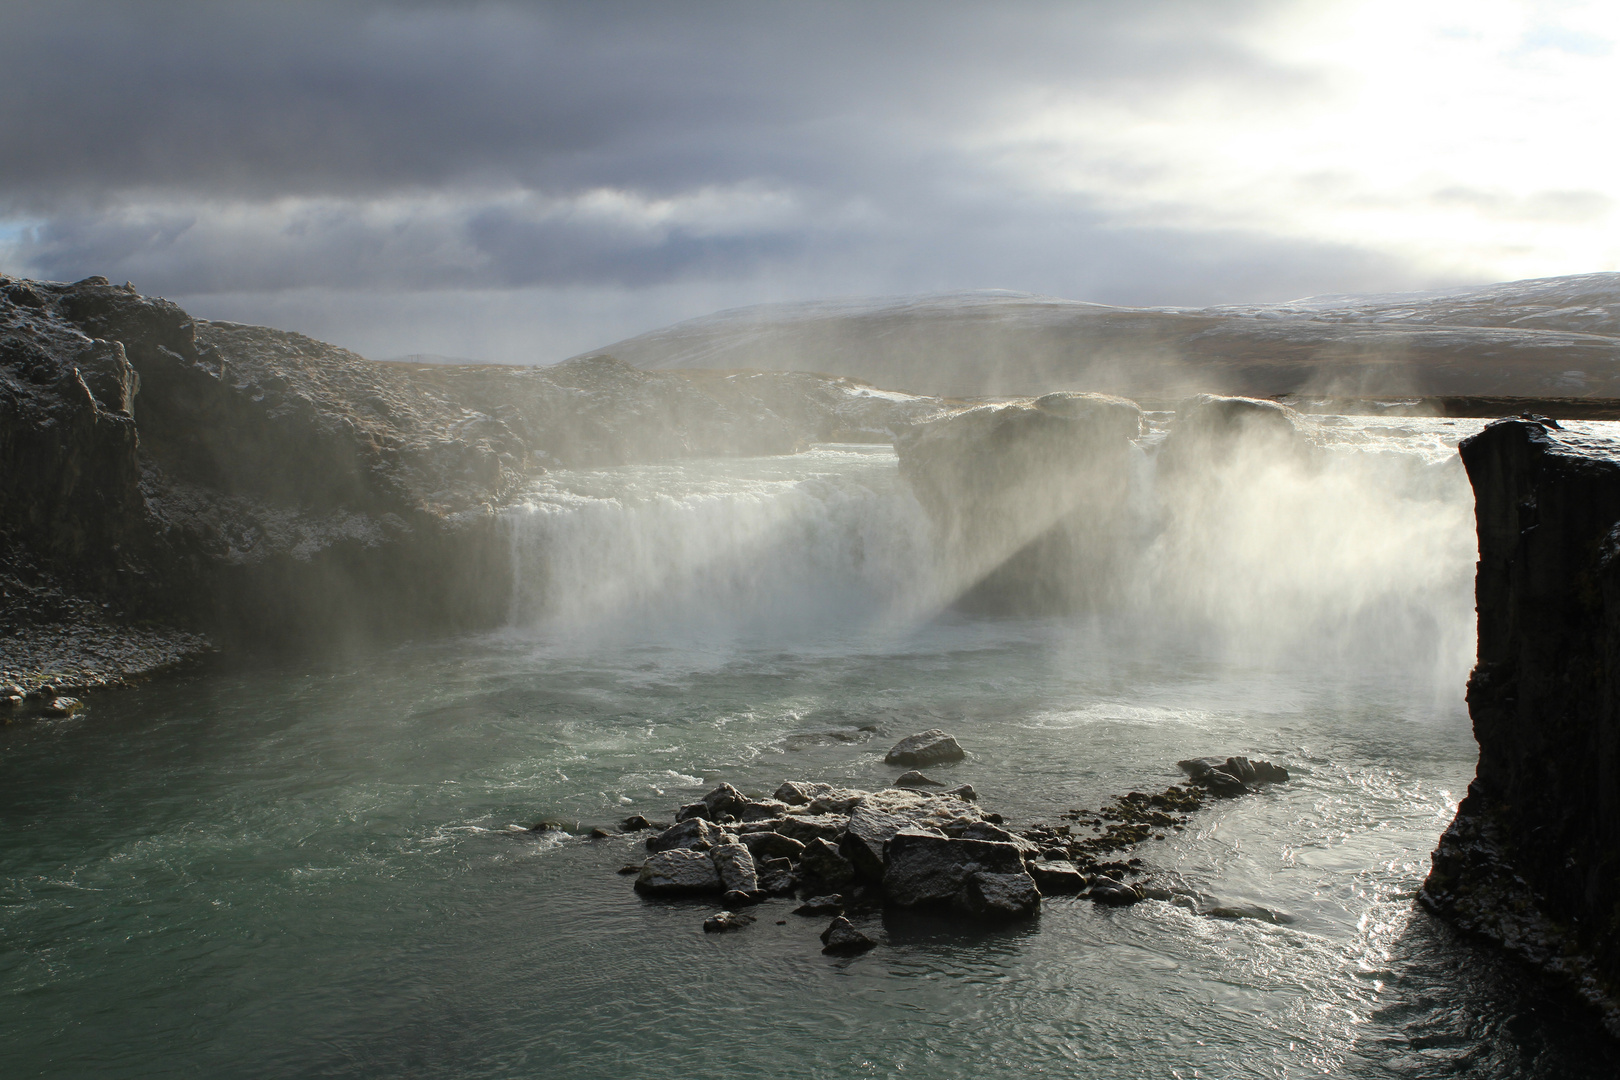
[678, 871]
[772, 845]
[691, 833]
[1251, 911]
[724, 799]
[760, 810]
[634, 823]
[842, 939]
[1267, 773]
[965, 793]
[927, 867]
[1234, 776]
[1115, 893]
[735, 865]
[692, 810]
[983, 830]
[818, 827]
[868, 830]
[1057, 877]
[821, 905]
[931, 747]
[915, 779]
[799, 793]
[837, 801]
[999, 896]
[1030, 500]
[822, 862]
[776, 877]
[1209, 430]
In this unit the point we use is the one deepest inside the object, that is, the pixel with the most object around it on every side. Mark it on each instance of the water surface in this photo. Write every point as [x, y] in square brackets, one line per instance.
[323, 871]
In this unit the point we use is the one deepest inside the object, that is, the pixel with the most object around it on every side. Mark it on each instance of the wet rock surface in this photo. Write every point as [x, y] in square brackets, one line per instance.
[1234, 776]
[679, 871]
[842, 939]
[1531, 860]
[931, 747]
[851, 853]
[726, 920]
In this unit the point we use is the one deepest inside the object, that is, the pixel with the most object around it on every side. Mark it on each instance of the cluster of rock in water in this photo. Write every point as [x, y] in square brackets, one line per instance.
[46, 700]
[850, 851]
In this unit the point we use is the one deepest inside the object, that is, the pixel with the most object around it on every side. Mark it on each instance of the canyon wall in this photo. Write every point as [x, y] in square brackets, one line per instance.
[167, 482]
[1533, 858]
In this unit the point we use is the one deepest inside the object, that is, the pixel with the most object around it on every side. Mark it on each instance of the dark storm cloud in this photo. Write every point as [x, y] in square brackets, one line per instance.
[353, 98]
[218, 147]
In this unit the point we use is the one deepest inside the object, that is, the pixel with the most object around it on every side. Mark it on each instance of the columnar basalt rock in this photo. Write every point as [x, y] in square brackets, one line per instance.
[1533, 858]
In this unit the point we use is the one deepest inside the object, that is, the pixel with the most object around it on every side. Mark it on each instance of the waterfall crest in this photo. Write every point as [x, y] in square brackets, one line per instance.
[1361, 556]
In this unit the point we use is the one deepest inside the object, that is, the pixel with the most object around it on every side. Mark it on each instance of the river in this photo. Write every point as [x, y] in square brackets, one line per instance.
[324, 869]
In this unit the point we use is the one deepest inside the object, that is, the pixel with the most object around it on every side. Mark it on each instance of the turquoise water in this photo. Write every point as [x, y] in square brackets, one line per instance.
[324, 871]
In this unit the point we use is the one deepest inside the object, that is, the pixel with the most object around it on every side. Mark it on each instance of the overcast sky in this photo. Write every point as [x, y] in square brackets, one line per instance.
[524, 181]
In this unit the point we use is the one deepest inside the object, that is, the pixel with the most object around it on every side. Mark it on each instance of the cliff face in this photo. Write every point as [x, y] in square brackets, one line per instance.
[271, 490]
[1533, 858]
[1048, 505]
[1028, 498]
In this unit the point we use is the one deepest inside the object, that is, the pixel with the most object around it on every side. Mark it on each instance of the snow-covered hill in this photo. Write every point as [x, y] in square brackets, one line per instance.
[1550, 337]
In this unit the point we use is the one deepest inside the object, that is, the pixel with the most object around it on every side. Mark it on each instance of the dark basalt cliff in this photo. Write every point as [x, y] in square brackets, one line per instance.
[1533, 858]
[166, 481]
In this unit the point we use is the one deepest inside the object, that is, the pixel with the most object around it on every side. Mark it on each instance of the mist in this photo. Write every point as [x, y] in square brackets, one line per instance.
[515, 513]
[1345, 544]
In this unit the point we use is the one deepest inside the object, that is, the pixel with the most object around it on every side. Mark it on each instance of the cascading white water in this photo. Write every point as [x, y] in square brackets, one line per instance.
[1361, 557]
[826, 539]
[1365, 557]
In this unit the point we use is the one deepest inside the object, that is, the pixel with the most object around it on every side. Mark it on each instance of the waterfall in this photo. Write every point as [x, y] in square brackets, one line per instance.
[1361, 559]
[826, 540]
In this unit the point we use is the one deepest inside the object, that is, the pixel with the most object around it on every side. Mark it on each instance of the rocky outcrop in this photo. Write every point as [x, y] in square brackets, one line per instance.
[165, 480]
[1028, 497]
[1209, 430]
[1046, 505]
[1234, 776]
[931, 747]
[847, 851]
[926, 867]
[1533, 858]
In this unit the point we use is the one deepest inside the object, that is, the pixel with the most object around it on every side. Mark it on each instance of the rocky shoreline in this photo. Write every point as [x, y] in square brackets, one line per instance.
[852, 854]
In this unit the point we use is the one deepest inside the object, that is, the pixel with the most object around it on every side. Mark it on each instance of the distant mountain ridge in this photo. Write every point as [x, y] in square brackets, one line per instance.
[1537, 338]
